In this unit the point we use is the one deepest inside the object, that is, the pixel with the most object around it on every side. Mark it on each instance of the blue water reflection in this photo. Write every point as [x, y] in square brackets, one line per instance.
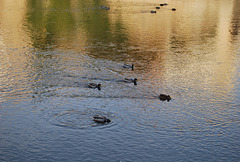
[52, 50]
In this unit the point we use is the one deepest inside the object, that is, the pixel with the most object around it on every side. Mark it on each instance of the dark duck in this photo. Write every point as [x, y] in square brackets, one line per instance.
[128, 66]
[101, 119]
[130, 80]
[94, 85]
[164, 97]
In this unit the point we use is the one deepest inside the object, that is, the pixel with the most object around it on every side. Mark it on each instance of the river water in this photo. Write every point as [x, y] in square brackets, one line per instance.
[50, 50]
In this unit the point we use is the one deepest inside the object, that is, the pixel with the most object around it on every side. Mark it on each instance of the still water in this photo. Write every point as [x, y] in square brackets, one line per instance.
[50, 50]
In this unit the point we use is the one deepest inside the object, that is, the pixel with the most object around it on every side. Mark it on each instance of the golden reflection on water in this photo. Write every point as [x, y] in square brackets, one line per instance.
[192, 46]
[11, 18]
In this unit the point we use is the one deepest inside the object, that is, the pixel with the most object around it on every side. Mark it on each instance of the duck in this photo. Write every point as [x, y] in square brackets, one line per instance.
[153, 11]
[101, 119]
[157, 7]
[105, 8]
[174, 9]
[163, 4]
[128, 66]
[164, 97]
[130, 80]
[94, 85]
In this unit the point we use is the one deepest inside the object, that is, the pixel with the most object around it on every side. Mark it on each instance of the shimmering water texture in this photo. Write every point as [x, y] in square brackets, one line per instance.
[51, 50]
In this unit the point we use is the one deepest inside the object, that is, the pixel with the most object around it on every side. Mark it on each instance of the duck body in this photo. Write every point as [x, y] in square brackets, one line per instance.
[94, 85]
[130, 80]
[105, 8]
[164, 97]
[101, 119]
[128, 66]
[153, 11]
[163, 4]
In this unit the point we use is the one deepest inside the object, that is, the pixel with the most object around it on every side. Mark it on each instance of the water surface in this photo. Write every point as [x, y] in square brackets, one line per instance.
[51, 50]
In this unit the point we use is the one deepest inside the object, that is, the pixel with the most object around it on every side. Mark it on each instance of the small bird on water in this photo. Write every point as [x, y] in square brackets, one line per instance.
[94, 85]
[128, 66]
[130, 80]
[101, 119]
[164, 97]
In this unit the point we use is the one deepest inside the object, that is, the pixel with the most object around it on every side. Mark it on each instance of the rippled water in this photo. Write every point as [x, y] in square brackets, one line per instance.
[50, 50]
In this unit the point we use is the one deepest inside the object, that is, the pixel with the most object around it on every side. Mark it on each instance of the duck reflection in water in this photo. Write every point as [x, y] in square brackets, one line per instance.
[101, 119]
[94, 85]
[164, 97]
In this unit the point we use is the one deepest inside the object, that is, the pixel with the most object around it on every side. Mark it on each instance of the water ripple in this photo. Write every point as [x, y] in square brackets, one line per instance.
[82, 119]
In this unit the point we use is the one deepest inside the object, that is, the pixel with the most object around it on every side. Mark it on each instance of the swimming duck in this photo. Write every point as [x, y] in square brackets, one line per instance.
[128, 66]
[94, 85]
[130, 80]
[153, 11]
[174, 9]
[101, 119]
[164, 97]
[157, 7]
[163, 4]
[105, 8]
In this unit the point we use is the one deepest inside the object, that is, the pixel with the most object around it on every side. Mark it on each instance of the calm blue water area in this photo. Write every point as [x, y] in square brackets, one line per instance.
[52, 50]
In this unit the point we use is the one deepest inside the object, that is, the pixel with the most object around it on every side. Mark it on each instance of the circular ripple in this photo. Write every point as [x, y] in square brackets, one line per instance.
[79, 119]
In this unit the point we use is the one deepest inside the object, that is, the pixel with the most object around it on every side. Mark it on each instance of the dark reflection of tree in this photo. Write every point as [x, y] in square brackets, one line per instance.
[35, 22]
[235, 23]
[49, 21]
[46, 25]
[46, 22]
[100, 32]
